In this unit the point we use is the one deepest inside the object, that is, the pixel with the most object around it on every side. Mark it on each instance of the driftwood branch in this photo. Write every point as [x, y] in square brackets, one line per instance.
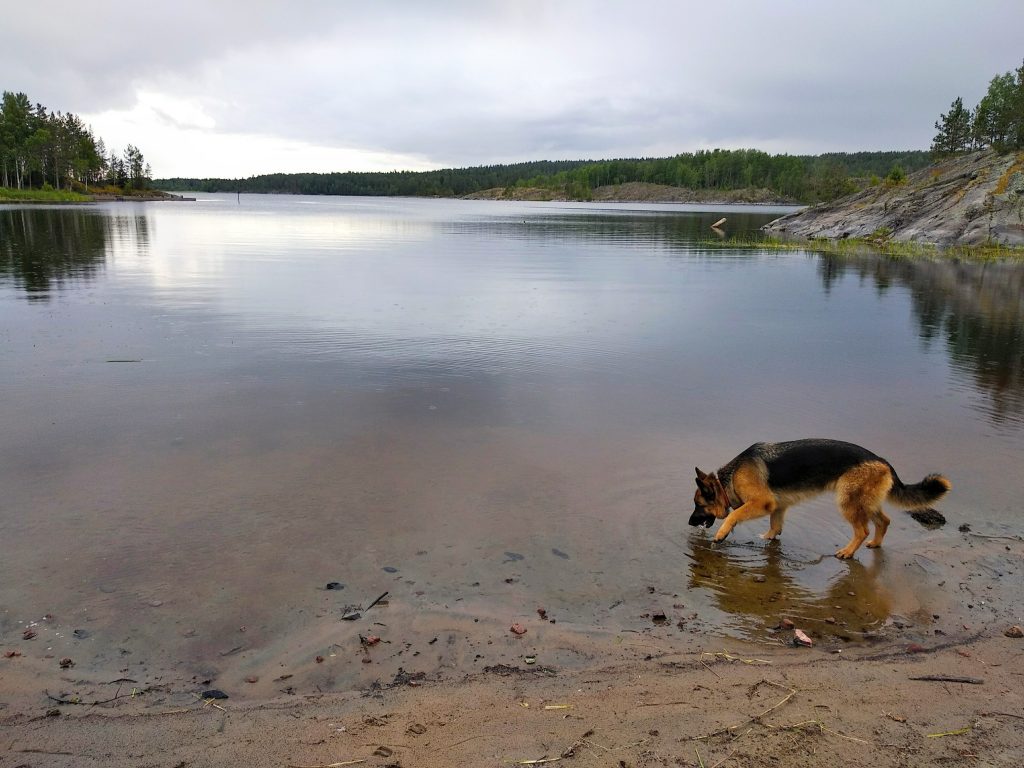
[949, 679]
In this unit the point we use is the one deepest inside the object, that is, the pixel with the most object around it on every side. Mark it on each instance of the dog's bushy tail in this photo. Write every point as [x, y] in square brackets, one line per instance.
[919, 495]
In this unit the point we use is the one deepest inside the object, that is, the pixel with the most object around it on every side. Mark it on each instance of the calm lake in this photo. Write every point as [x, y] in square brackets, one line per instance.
[210, 410]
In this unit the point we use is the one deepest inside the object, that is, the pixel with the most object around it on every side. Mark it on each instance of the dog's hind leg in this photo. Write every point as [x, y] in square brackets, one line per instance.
[859, 493]
[881, 521]
[775, 529]
[857, 518]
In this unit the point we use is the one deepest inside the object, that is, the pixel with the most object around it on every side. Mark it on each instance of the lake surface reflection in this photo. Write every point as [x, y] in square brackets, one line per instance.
[211, 409]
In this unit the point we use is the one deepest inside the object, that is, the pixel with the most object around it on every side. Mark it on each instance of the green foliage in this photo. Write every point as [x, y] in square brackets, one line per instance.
[896, 176]
[880, 235]
[805, 178]
[954, 130]
[997, 121]
[38, 148]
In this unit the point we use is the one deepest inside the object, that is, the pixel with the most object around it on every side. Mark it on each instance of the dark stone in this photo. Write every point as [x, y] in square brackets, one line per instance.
[334, 585]
[929, 518]
[213, 693]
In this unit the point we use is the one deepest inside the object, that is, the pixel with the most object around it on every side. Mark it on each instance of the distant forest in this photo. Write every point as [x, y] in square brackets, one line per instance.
[803, 178]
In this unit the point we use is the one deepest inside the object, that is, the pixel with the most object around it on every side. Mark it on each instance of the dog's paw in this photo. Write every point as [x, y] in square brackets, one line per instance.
[770, 536]
[845, 553]
[721, 536]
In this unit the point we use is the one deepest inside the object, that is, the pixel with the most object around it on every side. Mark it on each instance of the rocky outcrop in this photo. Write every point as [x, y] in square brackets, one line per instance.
[640, 191]
[532, 194]
[967, 200]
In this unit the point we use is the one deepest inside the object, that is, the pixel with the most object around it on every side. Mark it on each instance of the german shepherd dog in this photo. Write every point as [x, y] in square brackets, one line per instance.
[769, 478]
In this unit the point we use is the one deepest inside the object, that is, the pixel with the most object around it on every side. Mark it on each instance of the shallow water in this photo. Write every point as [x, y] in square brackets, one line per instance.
[212, 409]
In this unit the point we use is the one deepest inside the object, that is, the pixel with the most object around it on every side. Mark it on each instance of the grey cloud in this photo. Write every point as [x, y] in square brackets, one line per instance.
[463, 83]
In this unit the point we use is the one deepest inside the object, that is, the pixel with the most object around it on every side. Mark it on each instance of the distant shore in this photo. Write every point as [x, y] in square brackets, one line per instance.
[639, 192]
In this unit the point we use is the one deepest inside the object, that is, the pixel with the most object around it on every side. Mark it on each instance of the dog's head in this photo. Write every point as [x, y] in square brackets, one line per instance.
[710, 502]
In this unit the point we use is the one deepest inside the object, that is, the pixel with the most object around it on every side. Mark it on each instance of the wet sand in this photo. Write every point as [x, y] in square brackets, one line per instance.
[232, 596]
[647, 698]
[448, 683]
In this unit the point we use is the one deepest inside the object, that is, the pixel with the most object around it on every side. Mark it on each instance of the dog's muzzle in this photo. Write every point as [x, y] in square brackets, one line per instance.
[700, 517]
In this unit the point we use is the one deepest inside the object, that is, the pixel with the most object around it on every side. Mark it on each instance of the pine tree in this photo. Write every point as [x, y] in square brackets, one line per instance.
[954, 130]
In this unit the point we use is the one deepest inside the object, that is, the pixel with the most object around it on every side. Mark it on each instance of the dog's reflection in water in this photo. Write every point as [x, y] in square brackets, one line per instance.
[762, 584]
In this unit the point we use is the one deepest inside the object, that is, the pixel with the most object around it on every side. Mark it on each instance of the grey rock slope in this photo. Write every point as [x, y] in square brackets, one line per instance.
[966, 200]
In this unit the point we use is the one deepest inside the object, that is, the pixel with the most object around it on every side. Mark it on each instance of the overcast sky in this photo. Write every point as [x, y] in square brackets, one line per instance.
[234, 89]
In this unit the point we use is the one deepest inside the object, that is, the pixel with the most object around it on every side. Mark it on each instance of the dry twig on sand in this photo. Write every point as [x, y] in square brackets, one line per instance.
[756, 718]
[949, 679]
[731, 753]
[1001, 714]
[821, 727]
[949, 733]
[730, 657]
[990, 536]
[209, 703]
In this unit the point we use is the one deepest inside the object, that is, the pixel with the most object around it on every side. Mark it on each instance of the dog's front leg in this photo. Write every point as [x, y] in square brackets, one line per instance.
[776, 527]
[748, 511]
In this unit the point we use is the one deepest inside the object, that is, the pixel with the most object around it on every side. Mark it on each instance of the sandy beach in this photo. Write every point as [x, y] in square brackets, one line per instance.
[407, 684]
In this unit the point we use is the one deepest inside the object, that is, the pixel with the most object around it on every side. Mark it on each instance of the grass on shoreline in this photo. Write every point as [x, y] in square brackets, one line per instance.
[884, 247]
[9, 195]
[81, 195]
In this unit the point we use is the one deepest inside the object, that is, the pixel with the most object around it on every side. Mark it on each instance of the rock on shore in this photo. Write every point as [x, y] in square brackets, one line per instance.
[966, 200]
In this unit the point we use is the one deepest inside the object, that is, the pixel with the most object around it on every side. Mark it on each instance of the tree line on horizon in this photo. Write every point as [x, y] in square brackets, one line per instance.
[40, 149]
[802, 178]
[997, 122]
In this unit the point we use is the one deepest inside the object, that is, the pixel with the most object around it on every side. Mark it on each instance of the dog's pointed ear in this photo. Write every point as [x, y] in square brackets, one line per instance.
[700, 475]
